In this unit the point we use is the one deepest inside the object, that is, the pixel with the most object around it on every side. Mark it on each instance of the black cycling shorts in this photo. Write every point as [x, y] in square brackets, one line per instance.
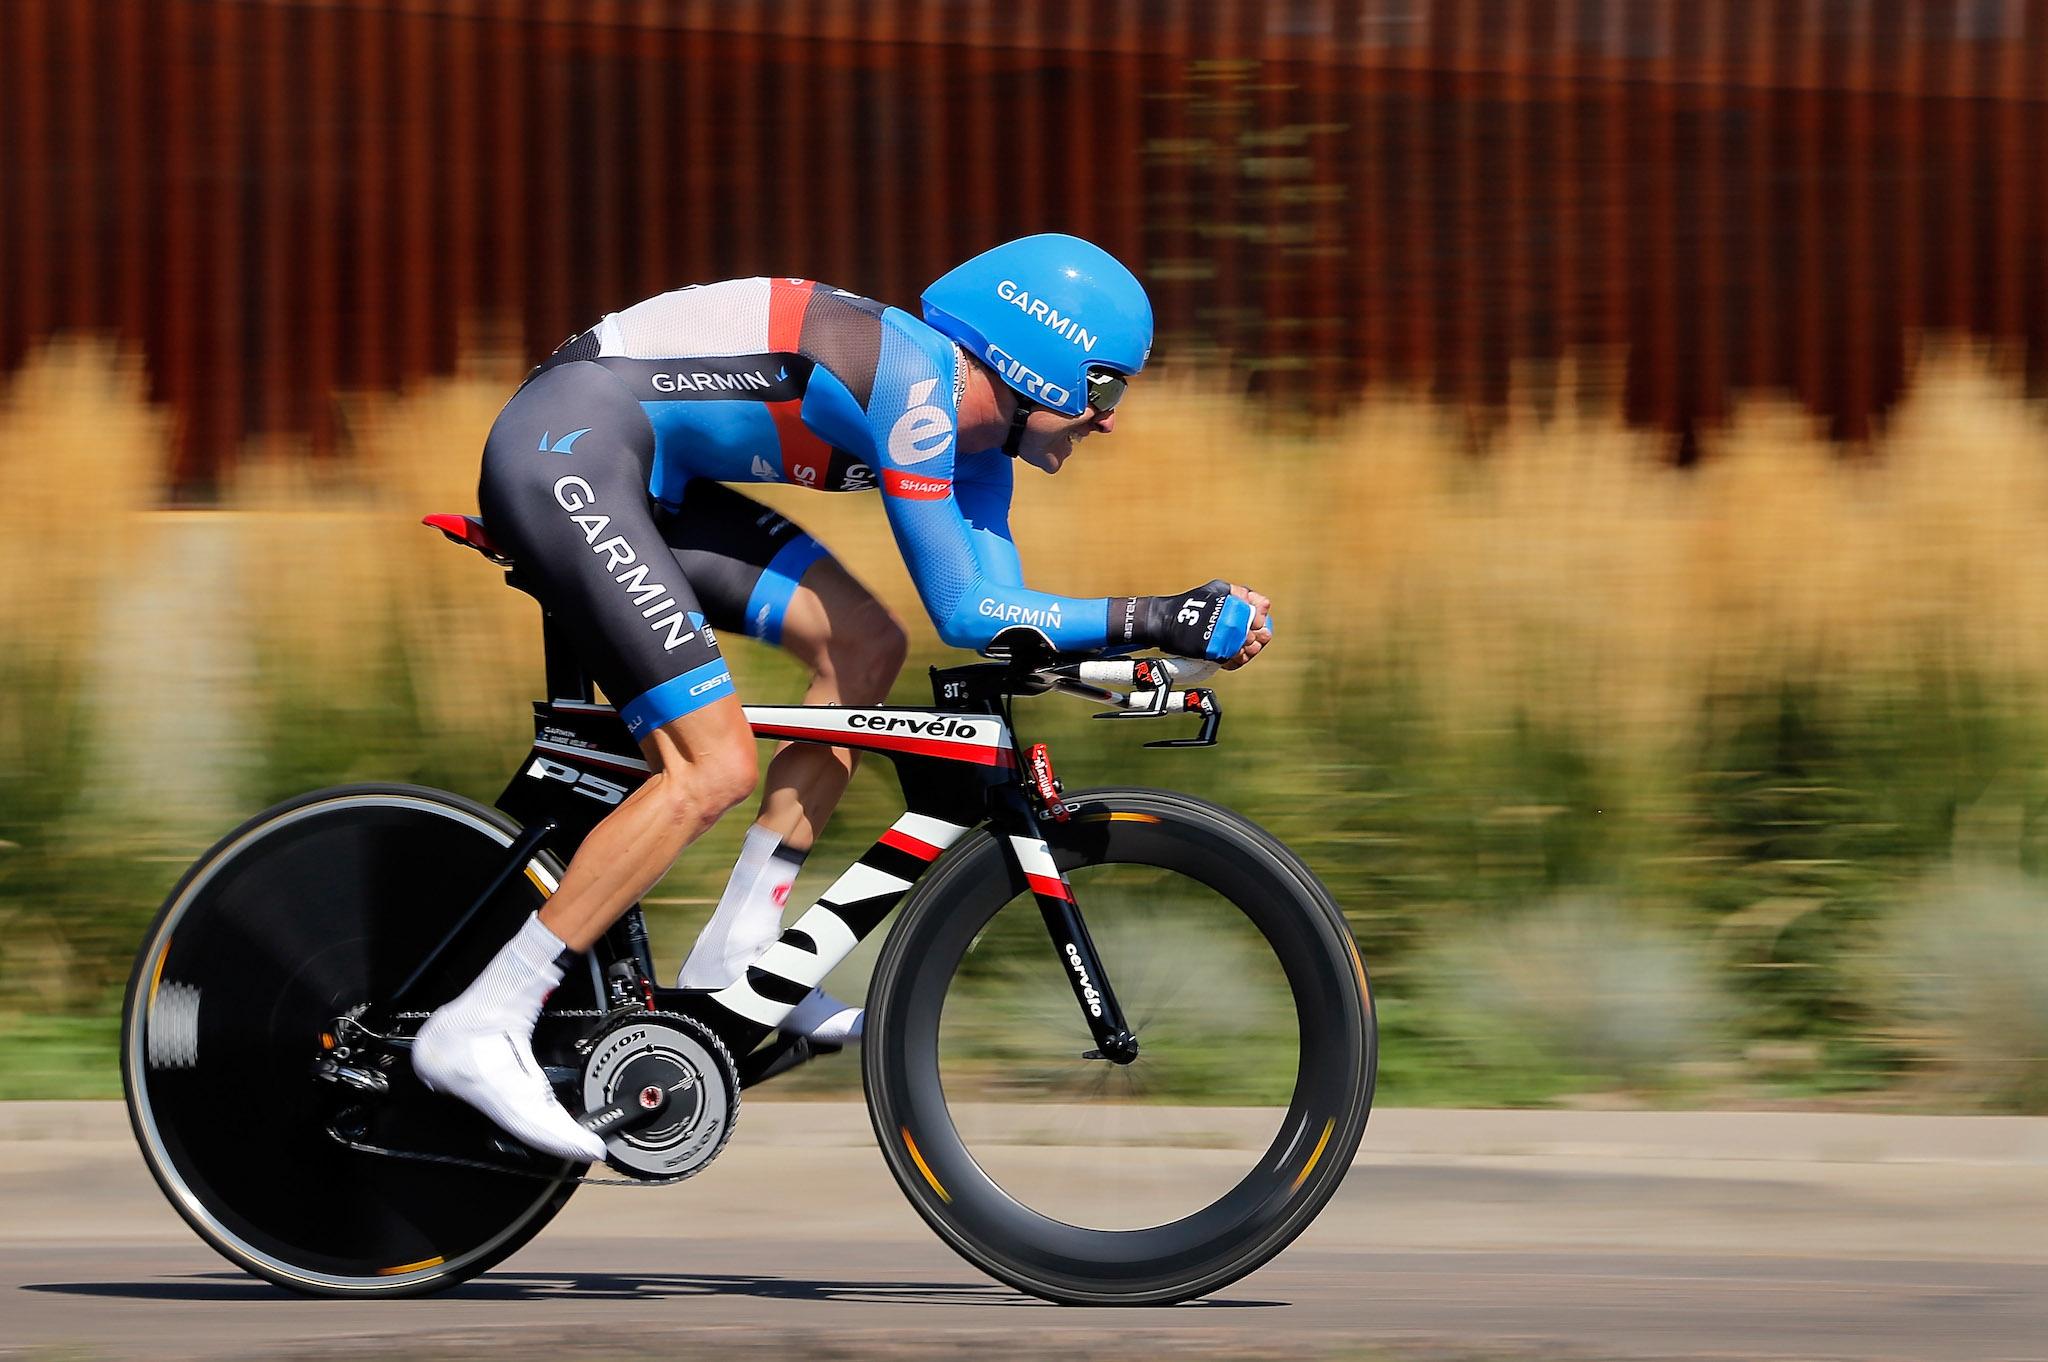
[564, 492]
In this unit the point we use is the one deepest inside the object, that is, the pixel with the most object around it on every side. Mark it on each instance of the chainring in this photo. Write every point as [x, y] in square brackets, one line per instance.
[645, 1052]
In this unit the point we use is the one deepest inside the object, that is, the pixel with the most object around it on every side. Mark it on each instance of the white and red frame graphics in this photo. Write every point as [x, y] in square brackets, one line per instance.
[812, 946]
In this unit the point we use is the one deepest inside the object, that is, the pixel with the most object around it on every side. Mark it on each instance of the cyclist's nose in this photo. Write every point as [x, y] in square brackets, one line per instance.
[1105, 423]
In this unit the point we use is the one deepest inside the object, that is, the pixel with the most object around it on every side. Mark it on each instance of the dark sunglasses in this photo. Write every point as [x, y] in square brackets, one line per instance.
[1105, 390]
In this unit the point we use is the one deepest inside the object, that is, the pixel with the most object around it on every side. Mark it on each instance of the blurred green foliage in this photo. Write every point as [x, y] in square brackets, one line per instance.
[1766, 858]
[1969, 962]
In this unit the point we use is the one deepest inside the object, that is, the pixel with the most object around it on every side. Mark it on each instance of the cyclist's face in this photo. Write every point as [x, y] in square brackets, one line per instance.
[1049, 438]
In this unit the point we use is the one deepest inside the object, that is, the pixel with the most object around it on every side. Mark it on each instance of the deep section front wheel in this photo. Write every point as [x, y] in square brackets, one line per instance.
[1089, 1182]
[301, 918]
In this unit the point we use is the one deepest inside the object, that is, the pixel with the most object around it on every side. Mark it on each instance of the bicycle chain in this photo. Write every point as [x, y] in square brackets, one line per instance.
[593, 1012]
[363, 1148]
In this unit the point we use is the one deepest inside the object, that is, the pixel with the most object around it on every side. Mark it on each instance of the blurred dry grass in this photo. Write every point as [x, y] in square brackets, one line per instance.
[1567, 573]
[341, 570]
[81, 458]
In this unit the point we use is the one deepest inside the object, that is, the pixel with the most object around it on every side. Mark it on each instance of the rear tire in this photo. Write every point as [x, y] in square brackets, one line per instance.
[1193, 878]
[307, 911]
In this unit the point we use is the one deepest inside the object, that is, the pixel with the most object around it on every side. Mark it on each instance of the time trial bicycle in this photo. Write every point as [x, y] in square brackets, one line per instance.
[1138, 1106]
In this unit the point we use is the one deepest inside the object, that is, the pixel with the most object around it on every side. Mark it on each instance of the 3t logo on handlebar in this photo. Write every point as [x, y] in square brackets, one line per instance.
[595, 787]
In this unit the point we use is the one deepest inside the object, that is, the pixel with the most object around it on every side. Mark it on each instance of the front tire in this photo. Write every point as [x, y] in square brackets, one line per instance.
[308, 911]
[959, 1082]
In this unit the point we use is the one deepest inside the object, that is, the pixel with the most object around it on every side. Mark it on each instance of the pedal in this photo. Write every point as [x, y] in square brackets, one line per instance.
[520, 1153]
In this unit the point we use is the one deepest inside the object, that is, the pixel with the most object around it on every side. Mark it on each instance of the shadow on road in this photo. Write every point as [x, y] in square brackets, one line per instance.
[520, 1286]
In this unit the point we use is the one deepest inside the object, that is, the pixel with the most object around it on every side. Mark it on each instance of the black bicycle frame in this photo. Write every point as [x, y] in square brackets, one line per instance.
[960, 755]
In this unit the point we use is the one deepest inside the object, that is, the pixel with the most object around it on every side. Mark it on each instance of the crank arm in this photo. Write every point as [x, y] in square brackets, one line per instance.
[621, 1118]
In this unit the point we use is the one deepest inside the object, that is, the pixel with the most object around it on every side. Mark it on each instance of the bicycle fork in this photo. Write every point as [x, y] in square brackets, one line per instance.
[1078, 958]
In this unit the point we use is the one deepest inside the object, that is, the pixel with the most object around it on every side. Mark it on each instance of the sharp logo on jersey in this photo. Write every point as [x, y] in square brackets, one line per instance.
[924, 431]
[575, 496]
[912, 487]
[564, 445]
[1021, 375]
[1048, 618]
[1038, 310]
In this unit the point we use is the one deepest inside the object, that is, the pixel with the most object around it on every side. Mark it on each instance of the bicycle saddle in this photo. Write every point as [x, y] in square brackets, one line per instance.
[468, 531]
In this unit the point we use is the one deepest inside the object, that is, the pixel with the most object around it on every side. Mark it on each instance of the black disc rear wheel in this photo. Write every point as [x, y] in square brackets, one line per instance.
[303, 916]
[1088, 1182]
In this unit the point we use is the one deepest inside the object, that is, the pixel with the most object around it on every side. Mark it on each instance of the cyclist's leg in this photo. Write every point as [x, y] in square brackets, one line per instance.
[581, 529]
[855, 647]
[757, 572]
[703, 764]
[564, 491]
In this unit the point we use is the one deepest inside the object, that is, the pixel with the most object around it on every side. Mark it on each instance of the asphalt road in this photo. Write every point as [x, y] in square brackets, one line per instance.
[1475, 1235]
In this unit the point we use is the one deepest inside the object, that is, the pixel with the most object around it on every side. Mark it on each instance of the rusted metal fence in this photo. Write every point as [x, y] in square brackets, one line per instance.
[279, 200]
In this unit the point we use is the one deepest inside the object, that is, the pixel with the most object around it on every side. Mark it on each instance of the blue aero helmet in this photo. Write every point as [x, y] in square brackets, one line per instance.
[1046, 313]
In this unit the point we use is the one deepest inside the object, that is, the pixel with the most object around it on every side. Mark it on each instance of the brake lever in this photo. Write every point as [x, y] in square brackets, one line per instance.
[1202, 701]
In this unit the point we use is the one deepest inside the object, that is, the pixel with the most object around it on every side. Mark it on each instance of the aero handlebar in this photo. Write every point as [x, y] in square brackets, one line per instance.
[1151, 691]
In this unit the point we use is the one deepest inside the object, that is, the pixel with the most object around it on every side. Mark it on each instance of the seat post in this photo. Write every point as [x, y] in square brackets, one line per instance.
[565, 675]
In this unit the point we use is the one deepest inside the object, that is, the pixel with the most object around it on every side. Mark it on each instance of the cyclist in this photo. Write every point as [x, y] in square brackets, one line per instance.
[605, 480]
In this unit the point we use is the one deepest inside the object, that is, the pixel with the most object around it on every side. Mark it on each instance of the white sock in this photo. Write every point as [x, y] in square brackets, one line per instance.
[747, 921]
[824, 1018]
[519, 978]
[749, 914]
[480, 1047]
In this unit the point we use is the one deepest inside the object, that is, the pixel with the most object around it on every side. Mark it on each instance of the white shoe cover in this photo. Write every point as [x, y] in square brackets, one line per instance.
[825, 1019]
[491, 1067]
